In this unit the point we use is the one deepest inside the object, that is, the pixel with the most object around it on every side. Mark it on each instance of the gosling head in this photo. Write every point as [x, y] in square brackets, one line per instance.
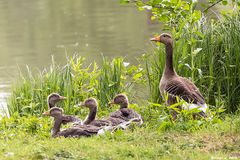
[164, 38]
[53, 98]
[120, 99]
[54, 112]
[89, 103]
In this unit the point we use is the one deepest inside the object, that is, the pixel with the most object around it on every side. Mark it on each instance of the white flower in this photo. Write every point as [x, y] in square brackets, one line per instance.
[147, 7]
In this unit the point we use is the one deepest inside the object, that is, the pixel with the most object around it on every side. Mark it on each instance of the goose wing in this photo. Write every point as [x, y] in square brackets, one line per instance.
[68, 118]
[88, 128]
[184, 89]
[114, 121]
[73, 132]
[118, 114]
[100, 123]
[130, 113]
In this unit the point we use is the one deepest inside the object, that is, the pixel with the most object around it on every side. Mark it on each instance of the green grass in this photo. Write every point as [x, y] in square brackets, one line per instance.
[29, 138]
[222, 61]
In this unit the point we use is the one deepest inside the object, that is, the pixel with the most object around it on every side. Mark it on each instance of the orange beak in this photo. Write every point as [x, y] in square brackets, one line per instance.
[156, 39]
[47, 113]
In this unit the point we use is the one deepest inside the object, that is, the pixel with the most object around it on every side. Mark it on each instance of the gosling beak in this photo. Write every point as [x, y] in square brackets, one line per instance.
[111, 103]
[156, 39]
[47, 113]
[62, 98]
[81, 104]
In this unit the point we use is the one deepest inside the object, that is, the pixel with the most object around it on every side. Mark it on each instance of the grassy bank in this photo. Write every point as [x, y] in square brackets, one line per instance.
[28, 138]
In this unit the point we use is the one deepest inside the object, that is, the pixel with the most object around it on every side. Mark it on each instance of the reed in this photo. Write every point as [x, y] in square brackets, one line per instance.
[221, 56]
[153, 66]
[110, 80]
[75, 80]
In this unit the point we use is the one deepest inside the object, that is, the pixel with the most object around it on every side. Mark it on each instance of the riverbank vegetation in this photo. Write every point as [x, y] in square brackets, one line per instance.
[206, 52]
[28, 137]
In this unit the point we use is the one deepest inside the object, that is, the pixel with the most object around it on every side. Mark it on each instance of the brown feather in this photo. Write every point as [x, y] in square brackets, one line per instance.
[184, 89]
[124, 113]
[69, 118]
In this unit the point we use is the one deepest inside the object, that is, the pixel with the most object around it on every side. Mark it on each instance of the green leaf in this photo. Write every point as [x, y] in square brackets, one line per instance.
[196, 15]
[196, 51]
[155, 104]
[225, 2]
[153, 18]
[124, 1]
[137, 76]
[154, 2]
[220, 110]
[163, 18]
[140, 8]
[238, 2]
[199, 34]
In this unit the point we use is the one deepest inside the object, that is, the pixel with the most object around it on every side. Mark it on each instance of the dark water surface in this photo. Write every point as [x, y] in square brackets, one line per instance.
[32, 31]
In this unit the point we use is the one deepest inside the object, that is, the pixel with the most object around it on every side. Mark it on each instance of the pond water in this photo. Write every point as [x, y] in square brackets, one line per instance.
[32, 31]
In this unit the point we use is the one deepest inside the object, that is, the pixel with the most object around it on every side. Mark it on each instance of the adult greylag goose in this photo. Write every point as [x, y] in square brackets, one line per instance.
[92, 104]
[83, 130]
[52, 99]
[172, 85]
[124, 113]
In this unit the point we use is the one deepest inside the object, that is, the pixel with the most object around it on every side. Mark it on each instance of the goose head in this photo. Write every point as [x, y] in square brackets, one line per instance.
[53, 98]
[164, 38]
[92, 104]
[120, 99]
[89, 103]
[54, 112]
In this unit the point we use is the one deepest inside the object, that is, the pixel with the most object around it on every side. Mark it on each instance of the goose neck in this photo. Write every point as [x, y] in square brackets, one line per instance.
[91, 116]
[169, 60]
[124, 105]
[56, 126]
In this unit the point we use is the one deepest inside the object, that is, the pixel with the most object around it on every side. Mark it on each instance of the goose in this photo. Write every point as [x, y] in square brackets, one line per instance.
[52, 99]
[83, 130]
[92, 104]
[124, 113]
[172, 85]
